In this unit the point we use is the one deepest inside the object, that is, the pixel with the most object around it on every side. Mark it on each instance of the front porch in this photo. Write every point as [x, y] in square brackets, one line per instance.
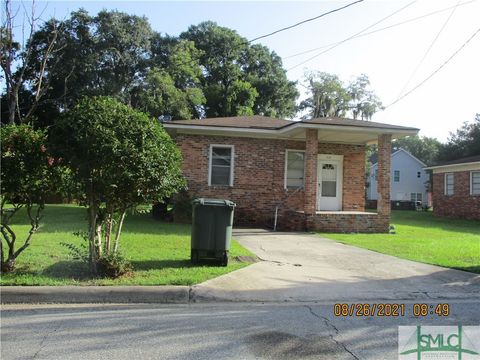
[337, 221]
[329, 186]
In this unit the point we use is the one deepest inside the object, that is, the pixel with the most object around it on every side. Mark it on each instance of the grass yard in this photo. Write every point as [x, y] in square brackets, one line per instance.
[159, 252]
[422, 237]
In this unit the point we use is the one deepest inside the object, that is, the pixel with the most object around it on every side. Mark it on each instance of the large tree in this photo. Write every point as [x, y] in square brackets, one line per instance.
[101, 55]
[329, 96]
[463, 143]
[207, 71]
[240, 78]
[25, 84]
[172, 83]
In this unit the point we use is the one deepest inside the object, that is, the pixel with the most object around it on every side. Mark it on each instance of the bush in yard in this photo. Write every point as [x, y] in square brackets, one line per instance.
[182, 207]
[27, 174]
[120, 158]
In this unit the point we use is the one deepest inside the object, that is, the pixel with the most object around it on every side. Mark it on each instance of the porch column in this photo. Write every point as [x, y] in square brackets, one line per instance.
[311, 152]
[383, 182]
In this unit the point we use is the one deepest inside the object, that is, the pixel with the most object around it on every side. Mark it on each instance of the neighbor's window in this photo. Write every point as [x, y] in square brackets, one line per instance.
[376, 174]
[449, 184]
[396, 175]
[294, 168]
[416, 196]
[475, 183]
[221, 165]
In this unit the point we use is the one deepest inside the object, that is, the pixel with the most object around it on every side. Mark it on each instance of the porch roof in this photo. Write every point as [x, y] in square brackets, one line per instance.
[340, 130]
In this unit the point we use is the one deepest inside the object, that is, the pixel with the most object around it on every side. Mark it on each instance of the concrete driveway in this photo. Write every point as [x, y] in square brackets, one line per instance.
[305, 267]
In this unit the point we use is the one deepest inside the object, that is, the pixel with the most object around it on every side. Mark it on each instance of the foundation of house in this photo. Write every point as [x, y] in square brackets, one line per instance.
[336, 221]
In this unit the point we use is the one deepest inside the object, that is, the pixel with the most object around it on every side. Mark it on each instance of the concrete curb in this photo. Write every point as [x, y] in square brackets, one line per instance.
[94, 294]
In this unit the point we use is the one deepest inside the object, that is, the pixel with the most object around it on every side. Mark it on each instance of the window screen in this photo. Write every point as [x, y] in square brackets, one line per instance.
[448, 184]
[396, 175]
[295, 169]
[475, 185]
[221, 163]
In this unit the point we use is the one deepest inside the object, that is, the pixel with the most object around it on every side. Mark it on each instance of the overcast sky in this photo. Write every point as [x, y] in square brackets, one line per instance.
[390, 57]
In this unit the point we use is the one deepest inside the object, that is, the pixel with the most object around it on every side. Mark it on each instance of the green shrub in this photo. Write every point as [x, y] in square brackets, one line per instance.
[113, 265]
[182, 207]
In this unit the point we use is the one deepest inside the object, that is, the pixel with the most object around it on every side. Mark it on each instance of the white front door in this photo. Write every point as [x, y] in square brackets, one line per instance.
[330, 174]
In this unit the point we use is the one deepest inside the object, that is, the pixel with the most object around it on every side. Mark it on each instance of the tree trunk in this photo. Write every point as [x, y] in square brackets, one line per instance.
[108, 230]
[12, 108]
[8, 265]
[119, 230]
[98, 239]
[92, 224]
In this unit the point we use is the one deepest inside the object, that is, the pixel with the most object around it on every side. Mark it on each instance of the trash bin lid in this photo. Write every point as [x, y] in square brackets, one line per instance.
[213, 202]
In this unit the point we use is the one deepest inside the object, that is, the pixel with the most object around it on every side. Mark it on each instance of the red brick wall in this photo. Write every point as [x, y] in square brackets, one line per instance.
[337, 222]
[459, 205]
[383, 173]
[259, 172]
[311, 164]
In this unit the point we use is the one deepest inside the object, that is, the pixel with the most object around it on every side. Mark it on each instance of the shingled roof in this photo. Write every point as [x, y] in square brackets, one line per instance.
[264, 122]
[351, 122]
[465, 160]
[248, 122]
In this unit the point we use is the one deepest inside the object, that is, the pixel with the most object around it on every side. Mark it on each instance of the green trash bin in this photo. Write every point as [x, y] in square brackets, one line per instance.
[212, 221]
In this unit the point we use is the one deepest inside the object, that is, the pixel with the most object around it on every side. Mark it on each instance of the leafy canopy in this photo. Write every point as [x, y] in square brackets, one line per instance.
[464, 142]
[120, 158]
[28, 175]
[207, 71]
[329, 96]
[117, 154]
[239, 78]
[26, 169]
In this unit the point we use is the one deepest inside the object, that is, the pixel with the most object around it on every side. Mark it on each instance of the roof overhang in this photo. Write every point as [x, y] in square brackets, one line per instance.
[327, 133]
[467, 166]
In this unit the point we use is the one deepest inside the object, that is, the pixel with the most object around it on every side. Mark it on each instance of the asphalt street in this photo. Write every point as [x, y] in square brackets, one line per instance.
[209, 331]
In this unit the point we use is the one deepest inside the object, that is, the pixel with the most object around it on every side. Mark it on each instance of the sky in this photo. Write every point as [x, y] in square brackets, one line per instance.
[392, 57]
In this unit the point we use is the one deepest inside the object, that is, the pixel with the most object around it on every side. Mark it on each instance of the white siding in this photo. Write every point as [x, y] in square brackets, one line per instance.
[409, 182]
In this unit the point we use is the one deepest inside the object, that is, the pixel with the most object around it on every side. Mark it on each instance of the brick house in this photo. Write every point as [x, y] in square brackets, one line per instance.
[456, 188]
[296, 175]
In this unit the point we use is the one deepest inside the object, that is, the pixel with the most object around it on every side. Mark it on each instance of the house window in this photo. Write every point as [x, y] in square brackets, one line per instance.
[449, 184]
[294, 168]
[419, 174]
[396, 175]
[475, 183]
[376, 174]
[416, 197]
[221, 165]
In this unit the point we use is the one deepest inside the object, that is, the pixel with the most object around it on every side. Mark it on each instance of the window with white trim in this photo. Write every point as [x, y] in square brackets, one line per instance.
[221, 165]
[449, 184]
[294, 168]
[396, 175]
[416, 197]
[475, 183]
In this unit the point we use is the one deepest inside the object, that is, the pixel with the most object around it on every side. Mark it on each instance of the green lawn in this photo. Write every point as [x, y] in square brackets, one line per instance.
[422, 237]
[159, 252]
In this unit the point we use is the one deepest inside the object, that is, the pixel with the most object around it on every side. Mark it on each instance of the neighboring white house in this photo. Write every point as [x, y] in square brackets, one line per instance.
[408, 179]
